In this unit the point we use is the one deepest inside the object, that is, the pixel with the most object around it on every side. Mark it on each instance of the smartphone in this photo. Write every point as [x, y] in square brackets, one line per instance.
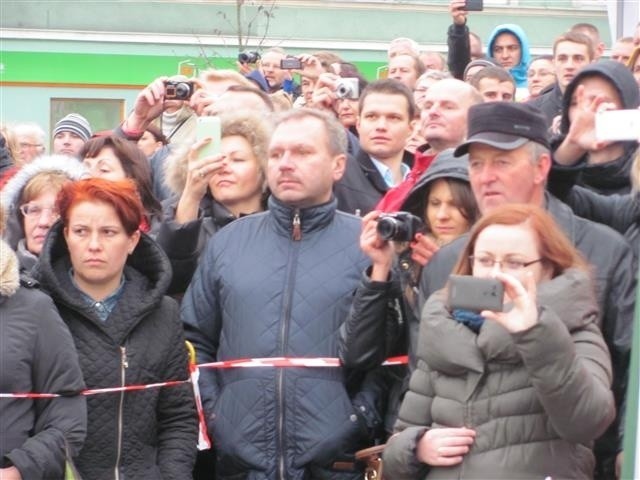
[291, 63]
[473, 5]
[618, 125]
[476, 294]
[208, 127]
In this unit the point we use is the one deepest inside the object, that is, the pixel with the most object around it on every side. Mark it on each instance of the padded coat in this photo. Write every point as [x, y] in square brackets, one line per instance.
[537, 399]
[261, 292]
[148, 434]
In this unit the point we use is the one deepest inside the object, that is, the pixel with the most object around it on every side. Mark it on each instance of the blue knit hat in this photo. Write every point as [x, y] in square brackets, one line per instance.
[76, 123]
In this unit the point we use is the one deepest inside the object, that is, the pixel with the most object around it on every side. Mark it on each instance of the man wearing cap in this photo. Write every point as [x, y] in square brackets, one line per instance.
[509, 162]
[70, 134]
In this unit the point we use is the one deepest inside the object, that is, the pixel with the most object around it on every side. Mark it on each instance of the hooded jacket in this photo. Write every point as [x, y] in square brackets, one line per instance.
[12, 192]
[612, 176]
[37, 355]
[266, 288]
[536, 399]
[519, 72]
[147, 434]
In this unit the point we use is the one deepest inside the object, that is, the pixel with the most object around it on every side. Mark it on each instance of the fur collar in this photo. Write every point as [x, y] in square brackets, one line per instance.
[9, 271]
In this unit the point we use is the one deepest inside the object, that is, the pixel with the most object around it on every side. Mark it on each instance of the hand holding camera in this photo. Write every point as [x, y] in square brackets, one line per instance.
[524, 313]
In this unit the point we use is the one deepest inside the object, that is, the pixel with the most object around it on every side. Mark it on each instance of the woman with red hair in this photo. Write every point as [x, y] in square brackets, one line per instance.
[518, 393]
[108, 281]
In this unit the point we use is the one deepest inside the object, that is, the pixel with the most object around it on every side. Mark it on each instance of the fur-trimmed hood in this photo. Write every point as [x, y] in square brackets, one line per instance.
[175, 167]
[12, 191]
[9, 271]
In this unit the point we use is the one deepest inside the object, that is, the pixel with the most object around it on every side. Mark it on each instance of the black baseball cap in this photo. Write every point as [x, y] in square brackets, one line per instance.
[504, 125]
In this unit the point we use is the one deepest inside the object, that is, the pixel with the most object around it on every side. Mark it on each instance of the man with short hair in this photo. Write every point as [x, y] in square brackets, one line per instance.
[593, 33]
[385, 122]
[509, 161]
[280, 284]
[70, 134]
[405, 68]
[494, 84]
[622, 50]
[571, 52]
[433, 61]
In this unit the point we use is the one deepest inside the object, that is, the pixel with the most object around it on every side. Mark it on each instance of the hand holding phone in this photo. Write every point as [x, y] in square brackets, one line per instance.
[208, 127]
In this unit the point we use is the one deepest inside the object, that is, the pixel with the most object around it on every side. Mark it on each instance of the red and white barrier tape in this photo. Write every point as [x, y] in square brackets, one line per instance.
[275, 362]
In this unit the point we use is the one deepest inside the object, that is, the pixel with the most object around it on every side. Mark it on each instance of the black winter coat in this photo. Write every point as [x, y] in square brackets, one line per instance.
[150, 434]
[36, 355]
[259, 292]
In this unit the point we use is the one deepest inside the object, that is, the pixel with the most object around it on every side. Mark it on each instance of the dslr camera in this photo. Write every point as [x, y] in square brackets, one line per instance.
[399, 226]
[178, 90]
[347, 88]
[248, 56]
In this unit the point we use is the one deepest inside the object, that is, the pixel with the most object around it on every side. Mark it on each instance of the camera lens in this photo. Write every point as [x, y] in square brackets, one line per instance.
[388, 228]
[183, 91]
[243, 57]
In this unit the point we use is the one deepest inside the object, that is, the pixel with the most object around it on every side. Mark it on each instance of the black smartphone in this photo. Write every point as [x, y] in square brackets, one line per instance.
[477, 294]
[473, 5]
[291, 63]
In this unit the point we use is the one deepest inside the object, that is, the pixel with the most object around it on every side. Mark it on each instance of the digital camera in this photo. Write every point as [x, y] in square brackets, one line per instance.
[400, 226]
[347, 88]
[178, 90]
[248, 56]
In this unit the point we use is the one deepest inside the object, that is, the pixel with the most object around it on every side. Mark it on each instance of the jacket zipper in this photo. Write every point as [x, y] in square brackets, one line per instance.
[296, 237]
[124, 364]
[296, 232]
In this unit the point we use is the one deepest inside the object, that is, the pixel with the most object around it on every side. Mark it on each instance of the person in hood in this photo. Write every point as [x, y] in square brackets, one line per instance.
[443, 200]
[108, 281]
[604, 167]
[509, 46]
[30, 198]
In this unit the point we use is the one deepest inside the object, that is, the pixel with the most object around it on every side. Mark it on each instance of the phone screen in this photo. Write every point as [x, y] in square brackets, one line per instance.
[208, 127]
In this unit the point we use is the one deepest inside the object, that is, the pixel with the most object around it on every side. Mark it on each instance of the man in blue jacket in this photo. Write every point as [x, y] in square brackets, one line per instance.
[280, 284]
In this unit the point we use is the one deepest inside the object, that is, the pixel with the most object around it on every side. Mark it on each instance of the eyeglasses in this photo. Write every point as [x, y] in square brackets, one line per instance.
[512, 264]
[35, 210]
[24, 145]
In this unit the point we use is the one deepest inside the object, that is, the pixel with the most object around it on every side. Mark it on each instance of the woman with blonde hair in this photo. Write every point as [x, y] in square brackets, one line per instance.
[517, 393]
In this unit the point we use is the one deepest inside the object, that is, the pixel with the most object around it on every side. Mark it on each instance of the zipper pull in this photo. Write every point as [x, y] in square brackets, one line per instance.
[123, 357]
[297, 231]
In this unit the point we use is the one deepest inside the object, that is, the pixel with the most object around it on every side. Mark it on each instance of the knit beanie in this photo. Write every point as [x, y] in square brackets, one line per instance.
[76, 123]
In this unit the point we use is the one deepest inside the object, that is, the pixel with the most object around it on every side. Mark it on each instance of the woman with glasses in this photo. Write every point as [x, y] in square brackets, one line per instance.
[30, 196]
[520, 393]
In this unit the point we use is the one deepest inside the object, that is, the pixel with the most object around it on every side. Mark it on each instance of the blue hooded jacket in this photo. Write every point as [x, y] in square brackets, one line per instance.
[519, 72]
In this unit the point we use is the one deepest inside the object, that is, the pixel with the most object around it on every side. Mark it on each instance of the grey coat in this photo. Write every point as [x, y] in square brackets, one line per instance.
[537, 399]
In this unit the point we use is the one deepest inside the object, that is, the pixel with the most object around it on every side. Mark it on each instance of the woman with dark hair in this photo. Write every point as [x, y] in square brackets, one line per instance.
[518, 393]
[108, 281]
[114, 158]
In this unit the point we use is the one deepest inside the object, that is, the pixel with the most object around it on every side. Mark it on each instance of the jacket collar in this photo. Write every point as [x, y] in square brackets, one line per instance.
[311, 218]
[373, 174]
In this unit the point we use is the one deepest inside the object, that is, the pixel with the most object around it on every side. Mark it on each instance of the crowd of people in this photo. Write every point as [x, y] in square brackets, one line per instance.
[326, 223]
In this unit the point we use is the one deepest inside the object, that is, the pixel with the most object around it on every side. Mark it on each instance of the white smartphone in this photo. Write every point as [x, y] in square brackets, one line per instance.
[208, 127]
[618, 125]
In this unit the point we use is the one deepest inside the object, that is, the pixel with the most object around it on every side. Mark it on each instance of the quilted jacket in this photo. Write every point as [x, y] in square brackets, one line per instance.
[150, 434]
[261, 291]
[536, 399]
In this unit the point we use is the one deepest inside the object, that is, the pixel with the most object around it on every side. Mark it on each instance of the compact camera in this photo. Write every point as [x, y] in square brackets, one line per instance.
[400, 226]
[248, 56]
[178, 90]
[347, 88]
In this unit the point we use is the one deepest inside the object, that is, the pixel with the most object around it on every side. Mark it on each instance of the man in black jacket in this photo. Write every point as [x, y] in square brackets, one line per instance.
[509, 162]
[385, 123]
[571, 52]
